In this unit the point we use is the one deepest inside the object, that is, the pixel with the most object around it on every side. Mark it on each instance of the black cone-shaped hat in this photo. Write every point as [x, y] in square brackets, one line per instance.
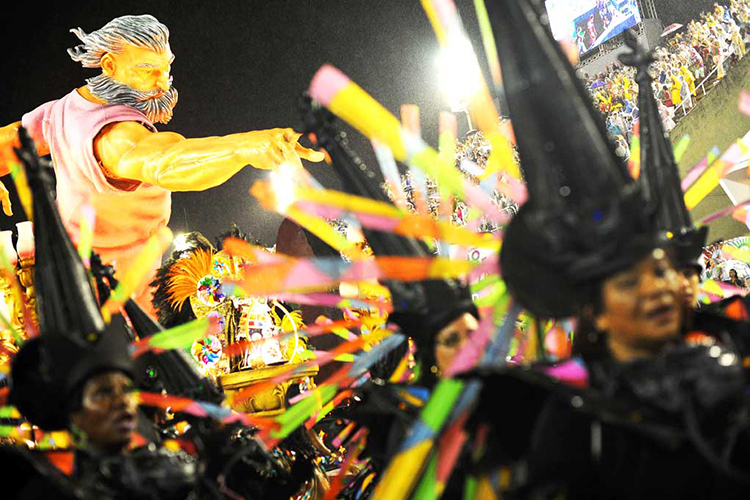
[49, 369]
[66, 303]
[74, 342]
[356, 177]
[171, 370]
[584, 217]
[660, 175]
[423, 308]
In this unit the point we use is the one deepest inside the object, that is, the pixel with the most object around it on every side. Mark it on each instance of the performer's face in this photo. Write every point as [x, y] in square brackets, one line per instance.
[140, 68]
[641, 308]
[108, 410]
[690, 280]
[452, 338]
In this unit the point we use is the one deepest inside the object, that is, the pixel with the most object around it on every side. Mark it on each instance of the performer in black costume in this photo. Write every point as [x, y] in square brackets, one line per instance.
[77, 375]
[302, 451]
[658, 416]
[438, 315]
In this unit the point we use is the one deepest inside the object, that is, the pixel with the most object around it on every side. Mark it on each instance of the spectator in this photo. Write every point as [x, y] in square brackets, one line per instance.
[705, 50]
[667, 117]
[676, 89]
[734, 279]
[685, 94]
[667, 97]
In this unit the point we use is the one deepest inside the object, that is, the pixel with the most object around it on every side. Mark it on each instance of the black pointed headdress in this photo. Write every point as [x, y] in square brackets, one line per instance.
[172, 370]
[66, 303]
[660, 176]
[74, 342]
[421, 308]
[49, 370]
[584, 218]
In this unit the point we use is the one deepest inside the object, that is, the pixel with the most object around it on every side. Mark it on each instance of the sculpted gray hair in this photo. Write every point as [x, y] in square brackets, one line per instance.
[142, 31]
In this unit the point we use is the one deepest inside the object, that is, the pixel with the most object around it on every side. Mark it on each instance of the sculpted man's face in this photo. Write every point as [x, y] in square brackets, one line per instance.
[140, 68]
[139, 78]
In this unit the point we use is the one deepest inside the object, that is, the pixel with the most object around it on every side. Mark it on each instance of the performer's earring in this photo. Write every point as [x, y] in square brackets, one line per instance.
[79, 438]
[436, 371]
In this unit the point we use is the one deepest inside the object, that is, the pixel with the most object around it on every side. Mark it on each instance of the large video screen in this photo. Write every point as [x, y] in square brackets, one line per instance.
[588, 23]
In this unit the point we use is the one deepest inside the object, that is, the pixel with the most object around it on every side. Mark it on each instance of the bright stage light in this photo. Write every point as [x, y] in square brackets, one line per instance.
[282, 183]
[180, 243]
[458, 72]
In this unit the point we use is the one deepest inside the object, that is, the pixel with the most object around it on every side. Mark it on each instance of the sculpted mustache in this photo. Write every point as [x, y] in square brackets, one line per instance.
[152, 94]
[156, 95]
[145, 95]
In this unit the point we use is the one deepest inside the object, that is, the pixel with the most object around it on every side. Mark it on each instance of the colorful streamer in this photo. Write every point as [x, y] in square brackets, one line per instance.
[697, 170]
[86, 233]
[181, 336]
[319, 274]
[679, 149]
[742, 214]
[18, 174]
[347, 100]
[382, 216]
[726, 211]
[480, 105]
[634, 162]
[709, 180]
[390, 172]
[268, 199]
[311, 406]
[200, 409]
[451, 398]
[488, 40]
[289, 371]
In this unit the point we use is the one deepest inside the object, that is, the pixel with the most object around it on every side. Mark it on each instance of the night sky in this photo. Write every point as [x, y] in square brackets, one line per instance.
[240, 66]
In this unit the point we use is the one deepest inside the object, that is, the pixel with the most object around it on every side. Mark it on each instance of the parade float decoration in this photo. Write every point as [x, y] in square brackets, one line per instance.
[194, 282]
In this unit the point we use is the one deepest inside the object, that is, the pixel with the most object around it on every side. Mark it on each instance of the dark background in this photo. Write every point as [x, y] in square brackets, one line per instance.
[682, 11]
[241, 65]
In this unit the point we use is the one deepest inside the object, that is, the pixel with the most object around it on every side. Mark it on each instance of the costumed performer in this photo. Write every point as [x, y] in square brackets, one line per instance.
[189, 286]
[662, 191]
[76, 374]
[642, 410]
[438, 315]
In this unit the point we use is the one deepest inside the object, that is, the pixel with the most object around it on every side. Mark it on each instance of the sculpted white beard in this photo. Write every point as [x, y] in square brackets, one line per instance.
[156, 109]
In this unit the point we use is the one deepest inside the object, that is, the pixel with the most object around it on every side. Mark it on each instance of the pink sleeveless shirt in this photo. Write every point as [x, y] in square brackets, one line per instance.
[125, 218]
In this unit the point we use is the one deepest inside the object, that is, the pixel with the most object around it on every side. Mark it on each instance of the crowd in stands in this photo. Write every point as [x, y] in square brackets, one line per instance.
[687, 65]
[722, 267]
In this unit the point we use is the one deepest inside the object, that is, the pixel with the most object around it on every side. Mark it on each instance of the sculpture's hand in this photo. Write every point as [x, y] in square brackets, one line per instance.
[5, 200]
[307, 153]
[267, 149]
